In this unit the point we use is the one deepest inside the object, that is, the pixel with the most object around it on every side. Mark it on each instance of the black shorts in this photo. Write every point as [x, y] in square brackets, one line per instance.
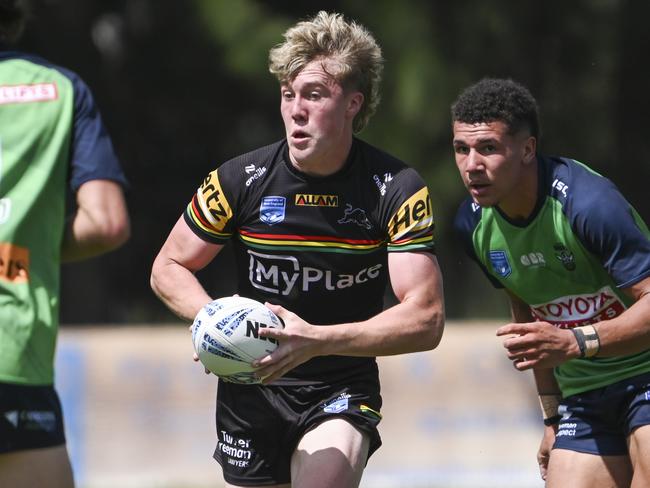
[30, 417]
[259, 427]
[599, 421]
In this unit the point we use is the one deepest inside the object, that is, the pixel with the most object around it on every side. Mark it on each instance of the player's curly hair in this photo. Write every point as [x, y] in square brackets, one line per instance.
[494, 99]
[351, 46]
[12, 20]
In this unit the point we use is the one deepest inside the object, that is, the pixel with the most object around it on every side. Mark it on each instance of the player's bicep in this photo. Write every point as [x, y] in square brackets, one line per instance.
[415, 275]
[183, 247]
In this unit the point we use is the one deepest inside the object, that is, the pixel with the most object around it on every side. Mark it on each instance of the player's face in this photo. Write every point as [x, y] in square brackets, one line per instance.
[318, 115]
[495, 165]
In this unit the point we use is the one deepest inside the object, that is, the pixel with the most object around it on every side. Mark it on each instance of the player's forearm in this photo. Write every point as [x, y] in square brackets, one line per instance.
[406, 327]
[629, 333]
[178, 288]
[545, 381]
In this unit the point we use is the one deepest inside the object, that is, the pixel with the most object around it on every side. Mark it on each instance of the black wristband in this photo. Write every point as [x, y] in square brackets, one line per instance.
[553, 420]
[580, 339]
[587, 339]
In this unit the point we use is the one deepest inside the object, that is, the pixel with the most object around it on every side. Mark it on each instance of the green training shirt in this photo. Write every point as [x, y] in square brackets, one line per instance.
[569, 261]
[51, 137]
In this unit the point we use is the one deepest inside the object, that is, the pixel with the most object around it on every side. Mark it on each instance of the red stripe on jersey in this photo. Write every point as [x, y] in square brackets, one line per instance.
[284, 237]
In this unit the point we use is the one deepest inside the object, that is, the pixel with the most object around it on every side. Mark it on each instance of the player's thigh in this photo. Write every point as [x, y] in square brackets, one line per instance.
[639, 444]
[581, 470]
[332, 454]
[45, 468]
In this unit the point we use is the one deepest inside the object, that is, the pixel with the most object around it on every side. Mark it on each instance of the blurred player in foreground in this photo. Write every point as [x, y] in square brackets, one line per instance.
[51, 136]
[574, 258]
[319, 220]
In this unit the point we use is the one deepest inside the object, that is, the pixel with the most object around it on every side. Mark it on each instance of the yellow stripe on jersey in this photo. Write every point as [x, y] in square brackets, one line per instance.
[367, 409]
[414, 215]
[309, 243]
[213, 203]
[198, 222]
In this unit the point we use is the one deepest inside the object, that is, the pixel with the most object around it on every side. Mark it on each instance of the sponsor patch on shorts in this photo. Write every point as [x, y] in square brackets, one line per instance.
[340, 404]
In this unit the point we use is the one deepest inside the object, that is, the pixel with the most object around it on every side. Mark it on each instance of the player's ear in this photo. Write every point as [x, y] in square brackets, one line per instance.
[355, 102]
[530, 149]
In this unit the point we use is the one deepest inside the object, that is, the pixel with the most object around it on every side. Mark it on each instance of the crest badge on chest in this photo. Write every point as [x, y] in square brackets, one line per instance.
[272, 209]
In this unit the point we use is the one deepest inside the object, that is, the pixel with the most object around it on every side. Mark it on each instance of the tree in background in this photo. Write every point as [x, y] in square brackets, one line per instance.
[183, 87]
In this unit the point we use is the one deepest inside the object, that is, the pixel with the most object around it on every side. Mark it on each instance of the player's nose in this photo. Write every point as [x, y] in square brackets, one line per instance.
[474, 162]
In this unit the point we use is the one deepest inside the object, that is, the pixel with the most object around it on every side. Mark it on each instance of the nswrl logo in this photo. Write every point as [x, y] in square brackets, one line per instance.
[500, 263]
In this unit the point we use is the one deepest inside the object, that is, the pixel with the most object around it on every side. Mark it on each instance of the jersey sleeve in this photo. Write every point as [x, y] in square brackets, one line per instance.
[92, 154]
[465, 223]
[409, 214]
[610, 228]
[210, 212]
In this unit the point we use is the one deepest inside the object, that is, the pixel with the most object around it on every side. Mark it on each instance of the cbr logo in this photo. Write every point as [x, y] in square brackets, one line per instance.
[306, 200]
[283, 275]
[213, 202]
[414, 215]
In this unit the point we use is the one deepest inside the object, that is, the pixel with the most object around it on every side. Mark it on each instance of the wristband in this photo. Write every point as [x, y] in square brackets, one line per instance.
[587, 339]
[549, 405]
[553, 420]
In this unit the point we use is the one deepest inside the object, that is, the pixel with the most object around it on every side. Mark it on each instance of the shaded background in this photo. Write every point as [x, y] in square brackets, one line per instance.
[183, 86]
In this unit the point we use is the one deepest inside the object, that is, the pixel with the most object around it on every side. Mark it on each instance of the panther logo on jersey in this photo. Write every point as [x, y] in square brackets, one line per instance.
[355, 216]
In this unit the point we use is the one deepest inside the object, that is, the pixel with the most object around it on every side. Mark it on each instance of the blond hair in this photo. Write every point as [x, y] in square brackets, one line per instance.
[355, 53]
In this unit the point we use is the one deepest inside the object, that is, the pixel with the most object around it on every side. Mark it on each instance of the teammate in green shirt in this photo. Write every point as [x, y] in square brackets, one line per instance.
[51, 138]
[574, 258]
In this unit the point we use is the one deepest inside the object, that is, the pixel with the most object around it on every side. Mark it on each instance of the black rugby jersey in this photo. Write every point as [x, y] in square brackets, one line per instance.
[318, 246]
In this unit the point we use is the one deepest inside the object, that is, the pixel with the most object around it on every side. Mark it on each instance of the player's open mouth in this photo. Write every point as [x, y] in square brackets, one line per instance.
[478, 188]
[299, 135]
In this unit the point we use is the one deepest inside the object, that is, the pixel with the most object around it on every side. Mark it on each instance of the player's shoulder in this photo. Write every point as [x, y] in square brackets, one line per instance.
[467, 217]
[567, 176]
[40, 67]
[379, 161]
[387, 172]
[576, 186]
[251, 165]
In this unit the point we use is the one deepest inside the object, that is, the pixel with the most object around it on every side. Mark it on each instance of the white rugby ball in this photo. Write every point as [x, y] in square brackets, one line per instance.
[225, 334]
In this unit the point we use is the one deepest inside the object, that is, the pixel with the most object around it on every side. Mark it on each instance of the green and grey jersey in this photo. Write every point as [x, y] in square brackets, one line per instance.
[51, 137]
[570, 261]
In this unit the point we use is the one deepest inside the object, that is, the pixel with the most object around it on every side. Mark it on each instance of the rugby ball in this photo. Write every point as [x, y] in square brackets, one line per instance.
[225, 334]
